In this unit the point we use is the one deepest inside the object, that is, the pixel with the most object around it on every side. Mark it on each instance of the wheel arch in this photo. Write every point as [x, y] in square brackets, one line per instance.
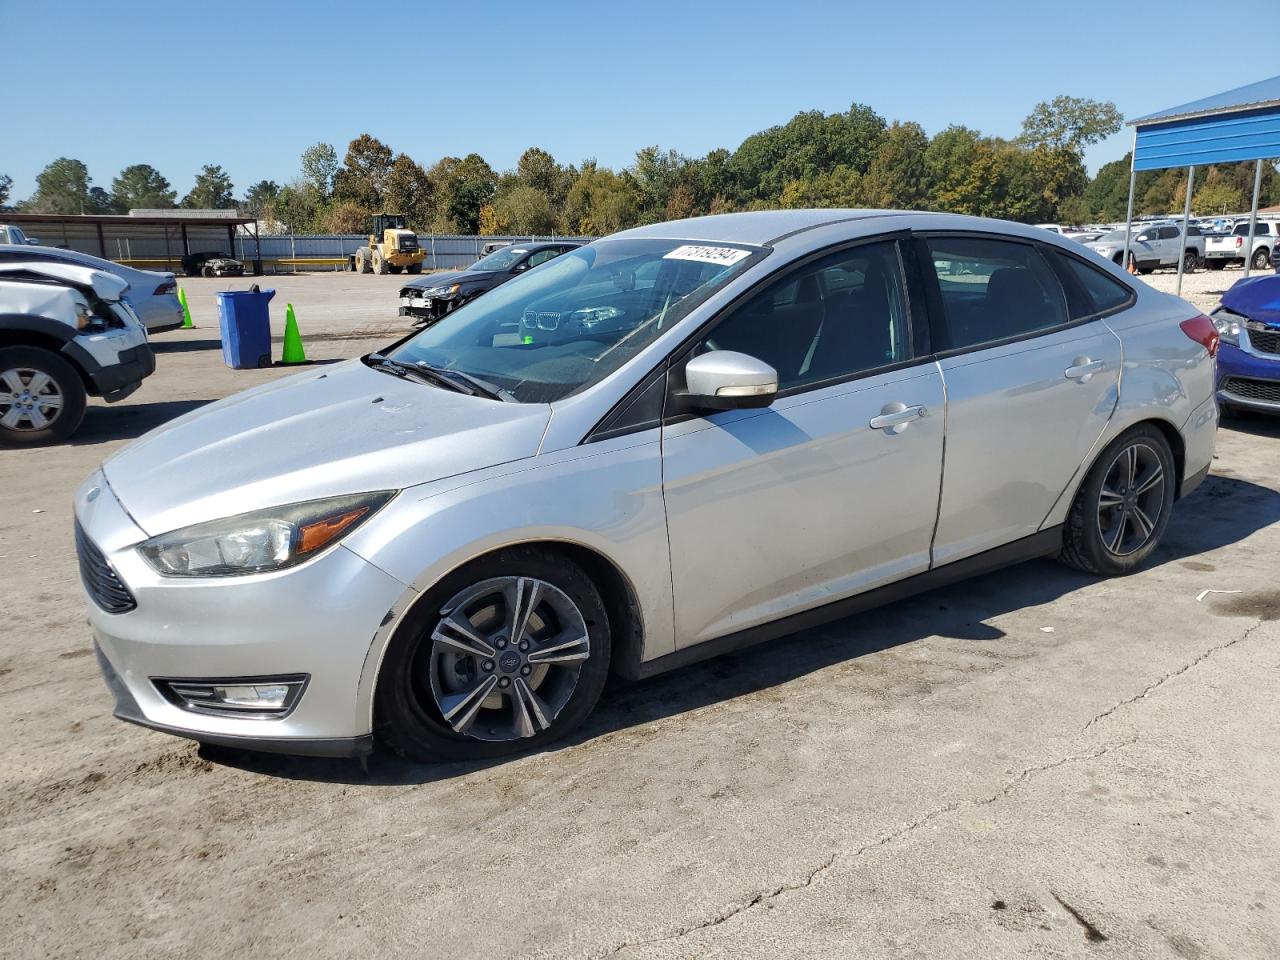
[621, 602]
[1168, 430]
[12, 335]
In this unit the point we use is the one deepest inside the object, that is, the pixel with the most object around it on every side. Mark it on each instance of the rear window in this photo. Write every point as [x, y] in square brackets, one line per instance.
[1098, 292]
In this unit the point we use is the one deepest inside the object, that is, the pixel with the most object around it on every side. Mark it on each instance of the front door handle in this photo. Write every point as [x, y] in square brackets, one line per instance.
[897, 416]
[1083, 369]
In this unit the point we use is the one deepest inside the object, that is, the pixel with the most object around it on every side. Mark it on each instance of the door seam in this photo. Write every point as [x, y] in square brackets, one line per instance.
[942, 469]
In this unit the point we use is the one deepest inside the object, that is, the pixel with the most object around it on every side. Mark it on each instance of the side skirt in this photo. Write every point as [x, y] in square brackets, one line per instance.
[1045, 543]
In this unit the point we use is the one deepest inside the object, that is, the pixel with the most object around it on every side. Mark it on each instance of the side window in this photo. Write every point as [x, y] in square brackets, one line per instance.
[993, 290]
[842, 315]
[1168, 233]
[1097, 291]
[542, 256]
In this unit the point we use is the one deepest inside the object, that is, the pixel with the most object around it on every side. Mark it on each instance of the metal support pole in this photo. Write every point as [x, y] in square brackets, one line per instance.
[1128, 217]
[102, 241]
[1186, 225]
[1253, 216]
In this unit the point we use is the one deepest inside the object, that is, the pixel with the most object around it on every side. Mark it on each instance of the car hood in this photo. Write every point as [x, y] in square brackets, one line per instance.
[1257, 298]
[344, 429]
[450, 276]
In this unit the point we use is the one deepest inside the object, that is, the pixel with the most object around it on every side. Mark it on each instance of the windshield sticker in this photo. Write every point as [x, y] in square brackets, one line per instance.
[724, 256]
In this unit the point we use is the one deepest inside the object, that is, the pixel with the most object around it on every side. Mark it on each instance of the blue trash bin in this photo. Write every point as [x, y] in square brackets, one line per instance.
[246, 327]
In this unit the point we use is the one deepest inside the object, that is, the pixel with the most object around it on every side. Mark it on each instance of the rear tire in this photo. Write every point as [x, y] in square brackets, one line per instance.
[430, 669]
[42, 398]
[1261, 259]
[362, 261]
[1190, 261]
[1123, 505]
[413, 268]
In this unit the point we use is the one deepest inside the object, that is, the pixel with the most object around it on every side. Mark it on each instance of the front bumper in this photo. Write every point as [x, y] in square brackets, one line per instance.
[115, 362]
[1247, 380]
[321, 619]
[426, 308]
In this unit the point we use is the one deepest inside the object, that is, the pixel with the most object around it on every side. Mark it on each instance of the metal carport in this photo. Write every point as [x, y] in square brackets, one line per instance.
[1238, 125]
[143, 238]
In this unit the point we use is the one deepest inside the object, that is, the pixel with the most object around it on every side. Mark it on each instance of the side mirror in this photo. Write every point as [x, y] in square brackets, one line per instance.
[520, 267]
[728, 380]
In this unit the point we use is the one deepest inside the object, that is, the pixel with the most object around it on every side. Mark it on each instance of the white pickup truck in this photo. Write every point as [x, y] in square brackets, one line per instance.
[1230, 248]
[10, 234]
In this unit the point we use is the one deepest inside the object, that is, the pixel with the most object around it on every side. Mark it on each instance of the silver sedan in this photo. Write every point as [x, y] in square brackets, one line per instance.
[670, 443]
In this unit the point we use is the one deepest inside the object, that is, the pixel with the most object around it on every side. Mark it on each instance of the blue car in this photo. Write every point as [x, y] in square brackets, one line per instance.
[1248, 323]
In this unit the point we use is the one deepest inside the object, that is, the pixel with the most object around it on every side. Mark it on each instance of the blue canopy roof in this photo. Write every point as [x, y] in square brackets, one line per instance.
[1264, 93]
[1240, 124]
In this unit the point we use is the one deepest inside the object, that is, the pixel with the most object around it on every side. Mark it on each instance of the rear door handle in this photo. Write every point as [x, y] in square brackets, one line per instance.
[1082, 369]
[897, 416]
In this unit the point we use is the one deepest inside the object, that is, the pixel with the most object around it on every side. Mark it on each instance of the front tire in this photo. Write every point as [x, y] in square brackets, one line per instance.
[1122, 508]
[42, 398]
[506, 654]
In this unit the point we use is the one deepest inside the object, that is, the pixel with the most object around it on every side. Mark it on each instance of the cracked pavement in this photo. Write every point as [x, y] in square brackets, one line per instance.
[938, 778]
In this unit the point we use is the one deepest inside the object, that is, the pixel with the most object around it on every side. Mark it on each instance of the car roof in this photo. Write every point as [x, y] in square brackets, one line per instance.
[21, 271]
[76, 256]
[758, 227]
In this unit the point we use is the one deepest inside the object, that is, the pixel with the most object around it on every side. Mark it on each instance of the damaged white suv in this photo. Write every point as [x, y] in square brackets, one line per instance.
[65, 332]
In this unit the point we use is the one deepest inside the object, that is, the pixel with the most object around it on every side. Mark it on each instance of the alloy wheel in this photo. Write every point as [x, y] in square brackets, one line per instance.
[30, 399]
[504, 658]
[1131, 499]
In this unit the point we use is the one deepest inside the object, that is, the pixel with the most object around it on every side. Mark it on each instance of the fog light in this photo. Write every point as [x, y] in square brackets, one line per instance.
[253, 697]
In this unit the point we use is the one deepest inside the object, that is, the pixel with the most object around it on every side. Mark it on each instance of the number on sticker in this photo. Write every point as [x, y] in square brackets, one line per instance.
[725, 256]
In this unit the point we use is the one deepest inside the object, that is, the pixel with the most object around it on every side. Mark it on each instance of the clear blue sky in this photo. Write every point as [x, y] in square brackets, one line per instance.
[249, 86]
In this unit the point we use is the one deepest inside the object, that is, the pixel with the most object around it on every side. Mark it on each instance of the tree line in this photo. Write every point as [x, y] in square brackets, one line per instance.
[853, 158]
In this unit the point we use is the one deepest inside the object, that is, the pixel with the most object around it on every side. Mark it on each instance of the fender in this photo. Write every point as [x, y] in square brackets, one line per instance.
[46, 326]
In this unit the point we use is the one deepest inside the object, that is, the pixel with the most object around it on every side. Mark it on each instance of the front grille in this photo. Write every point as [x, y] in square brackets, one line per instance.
[106, 589]
[546, 320]
[1248, 388]
[1265, 341]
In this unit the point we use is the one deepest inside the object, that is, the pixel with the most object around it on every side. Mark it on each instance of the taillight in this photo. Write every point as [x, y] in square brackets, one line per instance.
[1202, 331]
[1239, 242]
[169, 286]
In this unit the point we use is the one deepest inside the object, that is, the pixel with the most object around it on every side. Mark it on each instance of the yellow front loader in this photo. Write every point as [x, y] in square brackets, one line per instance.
[392, 248]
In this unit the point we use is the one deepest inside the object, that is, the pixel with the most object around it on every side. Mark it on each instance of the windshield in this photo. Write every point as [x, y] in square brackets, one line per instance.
[499, 260]
[577, 318]
[1115, 236]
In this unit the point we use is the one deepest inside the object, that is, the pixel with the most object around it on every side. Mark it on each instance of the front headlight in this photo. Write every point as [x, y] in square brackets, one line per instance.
[1228, 327]
[448, 290]
[261, 541]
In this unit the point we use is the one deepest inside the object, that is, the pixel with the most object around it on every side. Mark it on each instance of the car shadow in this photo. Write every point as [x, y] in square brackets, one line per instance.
[1254, 424]
[104, 424]
[184, 346]
[1225, 510]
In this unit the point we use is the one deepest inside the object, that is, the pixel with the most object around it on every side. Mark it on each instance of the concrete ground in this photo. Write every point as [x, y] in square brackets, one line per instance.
[1036, 763]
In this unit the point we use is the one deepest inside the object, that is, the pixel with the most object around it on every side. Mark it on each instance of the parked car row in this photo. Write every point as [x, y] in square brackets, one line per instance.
[152, 294]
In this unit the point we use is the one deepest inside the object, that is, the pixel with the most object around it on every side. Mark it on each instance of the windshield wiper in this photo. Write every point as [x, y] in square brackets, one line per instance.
[476, 385]
[405, 370]
[455, 380]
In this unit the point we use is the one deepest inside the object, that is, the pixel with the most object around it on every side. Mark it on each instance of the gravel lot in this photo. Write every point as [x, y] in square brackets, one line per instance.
[1035, 763]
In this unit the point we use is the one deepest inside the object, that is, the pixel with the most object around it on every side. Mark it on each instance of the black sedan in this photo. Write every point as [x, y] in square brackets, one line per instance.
[431, 296]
